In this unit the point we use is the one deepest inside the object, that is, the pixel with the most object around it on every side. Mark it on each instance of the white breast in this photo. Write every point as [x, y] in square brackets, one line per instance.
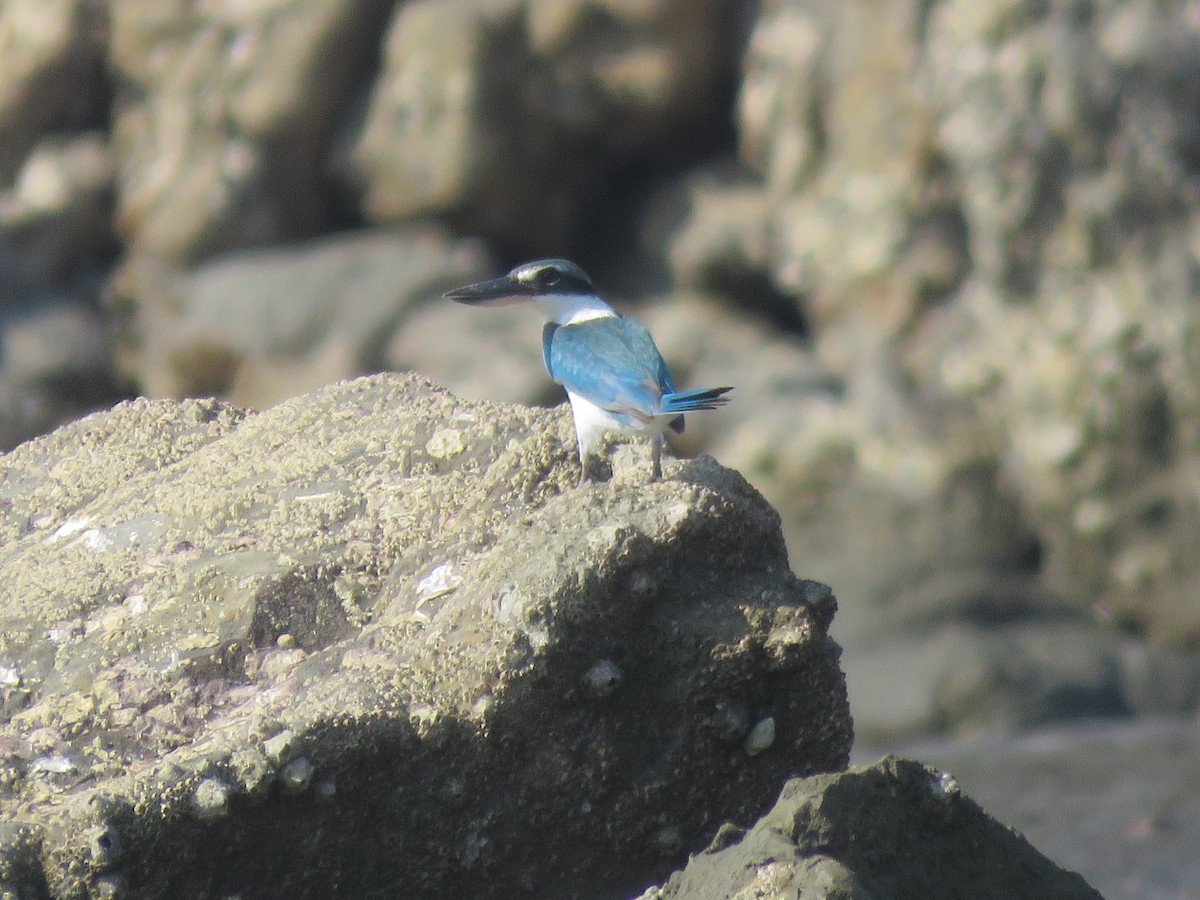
[592, 421]
[570, 309]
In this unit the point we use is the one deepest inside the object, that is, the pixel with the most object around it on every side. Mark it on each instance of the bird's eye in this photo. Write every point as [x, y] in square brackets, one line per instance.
[549, 277]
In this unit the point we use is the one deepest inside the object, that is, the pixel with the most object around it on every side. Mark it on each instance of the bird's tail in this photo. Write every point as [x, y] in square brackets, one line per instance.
[690, 401]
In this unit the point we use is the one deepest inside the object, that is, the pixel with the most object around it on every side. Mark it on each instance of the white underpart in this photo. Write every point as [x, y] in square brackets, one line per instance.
[592, 422]
[570, 309]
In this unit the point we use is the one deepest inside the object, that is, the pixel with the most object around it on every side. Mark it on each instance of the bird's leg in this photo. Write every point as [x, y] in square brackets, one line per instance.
[583, 467]
[656, 458]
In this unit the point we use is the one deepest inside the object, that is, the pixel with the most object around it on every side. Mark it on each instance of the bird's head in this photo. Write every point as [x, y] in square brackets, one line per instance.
[561, 290]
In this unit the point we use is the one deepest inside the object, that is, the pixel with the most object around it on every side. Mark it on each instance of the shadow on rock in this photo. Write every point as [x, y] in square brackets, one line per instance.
[371, 642]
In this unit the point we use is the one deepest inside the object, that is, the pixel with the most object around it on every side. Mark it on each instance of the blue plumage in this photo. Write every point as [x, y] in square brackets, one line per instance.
[613, 363]
[616, 380]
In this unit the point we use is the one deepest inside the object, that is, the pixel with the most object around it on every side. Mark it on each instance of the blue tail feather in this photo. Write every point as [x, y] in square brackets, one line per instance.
[690, 401]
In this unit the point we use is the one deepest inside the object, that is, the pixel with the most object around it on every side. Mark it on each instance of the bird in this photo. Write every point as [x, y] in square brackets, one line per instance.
[614, 375]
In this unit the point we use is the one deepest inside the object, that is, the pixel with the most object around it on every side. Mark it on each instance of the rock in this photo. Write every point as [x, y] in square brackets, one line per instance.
[56, 221]
[56, 362]
[51, 73]
[962, 678]
[844, 215]
[224, 117]
[948, 629]
[445, 594]
[1123, 779]
[1159, 681]
[492, 354]
[513, 117]
[55, 365]
[979, 208]
[1075, 336]
[1093, 410]
[894, 829]
[265, 325]
[54, 343]
[713, 229]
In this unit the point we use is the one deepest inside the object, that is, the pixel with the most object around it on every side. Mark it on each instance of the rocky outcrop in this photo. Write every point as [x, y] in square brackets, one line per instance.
[514, 117]
[51, 73]
[1139, 830]
[263, 325]
[946, 252]
[372, 640]
[990, 213]
[224, 118]
[896, 829]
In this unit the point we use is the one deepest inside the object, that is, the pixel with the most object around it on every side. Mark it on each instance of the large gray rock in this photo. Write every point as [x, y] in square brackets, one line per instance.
[55, 365]
[56, 221]
[894, 830]
[51, 72]
[1073, 141]
[263, 325]
[512, 115]
[994, 209]
[1107, 799]
[224, 116]
[372, 641]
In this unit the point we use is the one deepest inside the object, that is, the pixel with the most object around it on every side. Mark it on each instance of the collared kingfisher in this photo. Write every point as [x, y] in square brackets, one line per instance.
[613, 373]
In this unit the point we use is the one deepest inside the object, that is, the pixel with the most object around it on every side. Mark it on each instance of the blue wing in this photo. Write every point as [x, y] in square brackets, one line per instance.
[612, 362]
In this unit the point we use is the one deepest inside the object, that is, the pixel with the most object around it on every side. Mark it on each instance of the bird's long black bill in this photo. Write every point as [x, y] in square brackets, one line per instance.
[502, 291]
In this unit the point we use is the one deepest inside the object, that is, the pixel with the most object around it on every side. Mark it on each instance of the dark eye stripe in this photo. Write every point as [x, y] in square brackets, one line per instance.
[557, 276]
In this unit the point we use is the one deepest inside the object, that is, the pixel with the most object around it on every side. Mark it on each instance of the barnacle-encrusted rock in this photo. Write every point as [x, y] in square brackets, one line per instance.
[310, 650]
[895, 829]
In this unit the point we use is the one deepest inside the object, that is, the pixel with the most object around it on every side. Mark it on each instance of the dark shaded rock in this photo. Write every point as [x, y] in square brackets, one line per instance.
[56, 221]
[893, 830]
[55, 364]
[261, 326]
[514, 117]
[371, 642]
[224, 118]
[1112, 800]
[51, 74]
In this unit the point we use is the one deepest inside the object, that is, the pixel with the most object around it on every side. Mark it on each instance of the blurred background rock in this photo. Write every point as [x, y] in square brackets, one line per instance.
[947, 251]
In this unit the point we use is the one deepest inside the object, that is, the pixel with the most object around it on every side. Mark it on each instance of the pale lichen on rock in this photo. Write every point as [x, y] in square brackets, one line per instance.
[437, 620]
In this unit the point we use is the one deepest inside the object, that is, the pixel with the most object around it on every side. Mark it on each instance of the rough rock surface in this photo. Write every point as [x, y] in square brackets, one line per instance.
[373, 641]
[261, 326]
[1105, 798]
[1074, 145]
[948, 254]
[225, 114]
[994, 209]
[895, 830]
[56, 220]
[513, 115]
[51, 64]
